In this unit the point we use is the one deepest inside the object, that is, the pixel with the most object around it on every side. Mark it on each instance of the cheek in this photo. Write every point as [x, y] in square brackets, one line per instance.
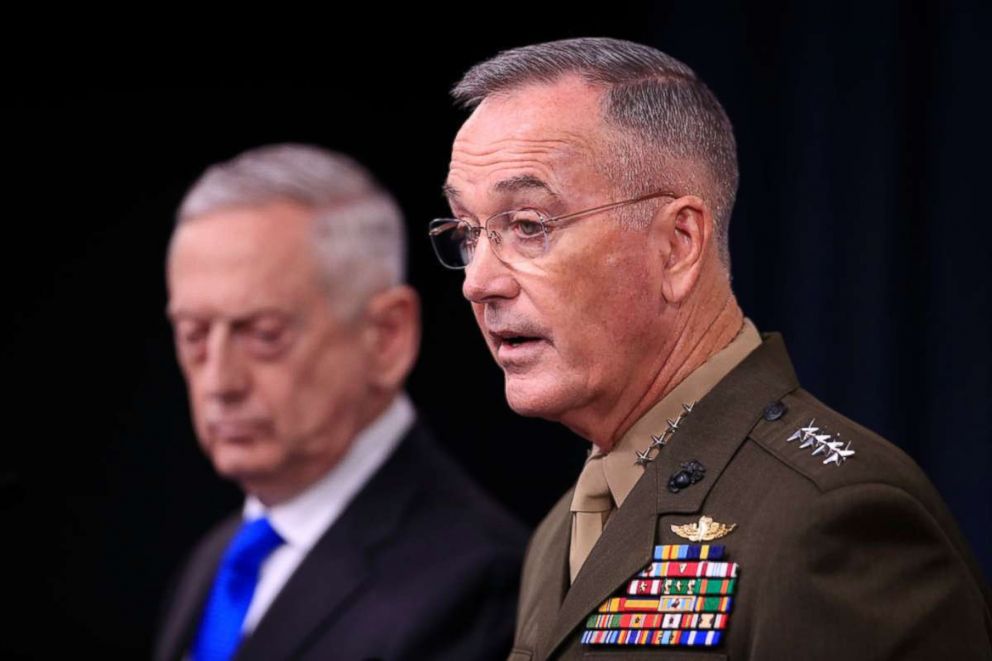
[326, 388]
[199, 403]
[274, 393]
[603, 322]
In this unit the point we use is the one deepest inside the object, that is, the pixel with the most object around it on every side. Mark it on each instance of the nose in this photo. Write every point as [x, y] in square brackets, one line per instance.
[224, 375]
[486, 277]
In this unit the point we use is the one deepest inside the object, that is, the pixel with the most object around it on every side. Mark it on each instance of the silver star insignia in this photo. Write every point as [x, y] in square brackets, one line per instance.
[804, 432]
[828, 444]
[660, 440]
[825, 446]
[822, 444]
[815, 439]
[839, 455]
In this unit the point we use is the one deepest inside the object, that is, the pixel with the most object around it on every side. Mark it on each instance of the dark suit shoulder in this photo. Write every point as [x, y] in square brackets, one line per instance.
[187, 588]
[205, 555]
[422, 510]
[215, 540]
[450, 496]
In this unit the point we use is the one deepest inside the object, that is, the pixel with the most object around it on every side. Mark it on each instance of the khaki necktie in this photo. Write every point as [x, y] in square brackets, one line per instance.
[591, 506]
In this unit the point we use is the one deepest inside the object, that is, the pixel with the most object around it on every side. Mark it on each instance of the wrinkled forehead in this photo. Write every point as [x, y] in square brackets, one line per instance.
[568, 109]
[550, 131]
[239, 258]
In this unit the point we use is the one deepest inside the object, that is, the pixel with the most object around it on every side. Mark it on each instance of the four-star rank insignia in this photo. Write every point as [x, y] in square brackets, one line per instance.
[682, 599]
[829, 445]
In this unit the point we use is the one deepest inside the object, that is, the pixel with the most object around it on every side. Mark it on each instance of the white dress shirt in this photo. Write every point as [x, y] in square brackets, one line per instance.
[304, 519]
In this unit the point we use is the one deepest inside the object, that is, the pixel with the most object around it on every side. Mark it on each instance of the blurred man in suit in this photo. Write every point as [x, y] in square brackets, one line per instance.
[358, 538]
[722, 506]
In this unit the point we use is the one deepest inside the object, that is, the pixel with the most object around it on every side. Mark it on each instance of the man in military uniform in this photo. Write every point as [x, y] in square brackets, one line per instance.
[722, 507]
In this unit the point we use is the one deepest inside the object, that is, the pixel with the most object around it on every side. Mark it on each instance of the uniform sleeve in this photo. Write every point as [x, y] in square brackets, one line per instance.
[870, 574]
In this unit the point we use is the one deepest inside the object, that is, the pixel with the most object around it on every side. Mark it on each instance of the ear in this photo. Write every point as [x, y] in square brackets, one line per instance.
[391, 336]
[686, 228]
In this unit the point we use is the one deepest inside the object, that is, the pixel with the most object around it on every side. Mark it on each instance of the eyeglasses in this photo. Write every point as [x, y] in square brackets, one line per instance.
[516, 236]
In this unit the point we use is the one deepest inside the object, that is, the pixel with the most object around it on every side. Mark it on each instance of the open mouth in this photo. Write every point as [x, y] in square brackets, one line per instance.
[519, 340]
[518, 344]
[518, 350]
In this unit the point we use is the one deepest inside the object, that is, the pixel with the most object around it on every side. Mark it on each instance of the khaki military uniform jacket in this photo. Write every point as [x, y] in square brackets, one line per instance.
[859, 560]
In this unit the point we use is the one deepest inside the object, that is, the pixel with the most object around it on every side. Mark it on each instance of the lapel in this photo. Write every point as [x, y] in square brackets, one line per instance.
[319, 591]
[545, 579]
[191, 593]
[340, 563]
[711, 434]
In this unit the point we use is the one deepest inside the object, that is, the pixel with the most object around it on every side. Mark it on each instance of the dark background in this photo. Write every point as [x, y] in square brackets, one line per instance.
[861, 232]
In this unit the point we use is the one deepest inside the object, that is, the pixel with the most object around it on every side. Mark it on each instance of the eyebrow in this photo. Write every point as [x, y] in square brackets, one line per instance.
[449, 191]
[176, 314]
[523, 182]
[511, 185]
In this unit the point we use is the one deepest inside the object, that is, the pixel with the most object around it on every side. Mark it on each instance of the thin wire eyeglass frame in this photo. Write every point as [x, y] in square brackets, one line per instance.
[440, 228]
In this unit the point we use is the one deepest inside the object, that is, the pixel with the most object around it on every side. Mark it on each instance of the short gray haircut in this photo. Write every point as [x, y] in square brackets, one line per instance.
[669, 130]
[359, 235]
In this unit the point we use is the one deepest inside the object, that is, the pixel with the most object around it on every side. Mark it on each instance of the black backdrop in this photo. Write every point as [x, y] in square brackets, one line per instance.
[861, 232]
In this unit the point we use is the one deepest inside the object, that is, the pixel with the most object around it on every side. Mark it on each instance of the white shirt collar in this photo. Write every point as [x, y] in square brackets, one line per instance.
[302, 520]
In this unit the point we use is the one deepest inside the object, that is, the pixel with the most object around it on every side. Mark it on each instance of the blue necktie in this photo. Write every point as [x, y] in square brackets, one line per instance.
[234, 585]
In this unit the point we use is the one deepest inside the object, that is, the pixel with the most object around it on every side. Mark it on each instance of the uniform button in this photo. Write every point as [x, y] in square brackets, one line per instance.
[774, 411]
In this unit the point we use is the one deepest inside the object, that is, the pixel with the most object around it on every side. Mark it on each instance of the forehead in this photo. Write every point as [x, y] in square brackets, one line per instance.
[551, 133]
[236, 261]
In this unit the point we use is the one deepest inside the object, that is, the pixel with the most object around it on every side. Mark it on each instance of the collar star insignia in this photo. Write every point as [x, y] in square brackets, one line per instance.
[659, 441]
[704, 530]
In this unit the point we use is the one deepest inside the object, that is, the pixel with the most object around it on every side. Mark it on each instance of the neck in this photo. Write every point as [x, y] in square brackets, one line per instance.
[289, 483]
[697, 330]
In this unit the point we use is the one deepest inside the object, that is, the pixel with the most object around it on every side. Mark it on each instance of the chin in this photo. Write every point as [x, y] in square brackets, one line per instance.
[240, 463]
[535, 398]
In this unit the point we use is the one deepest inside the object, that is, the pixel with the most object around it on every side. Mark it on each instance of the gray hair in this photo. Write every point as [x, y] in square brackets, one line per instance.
[358, 230]
[669, 130]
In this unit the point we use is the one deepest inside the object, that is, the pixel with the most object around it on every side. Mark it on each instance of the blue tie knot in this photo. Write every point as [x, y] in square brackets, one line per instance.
[251, 546]
[233, 589]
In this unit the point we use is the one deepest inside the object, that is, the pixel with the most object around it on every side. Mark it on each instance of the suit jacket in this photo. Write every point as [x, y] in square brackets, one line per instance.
[420, 565]
[853, 561]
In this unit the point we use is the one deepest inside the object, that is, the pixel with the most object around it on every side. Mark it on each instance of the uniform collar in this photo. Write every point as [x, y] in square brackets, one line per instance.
[711, 435]
[622, 473]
